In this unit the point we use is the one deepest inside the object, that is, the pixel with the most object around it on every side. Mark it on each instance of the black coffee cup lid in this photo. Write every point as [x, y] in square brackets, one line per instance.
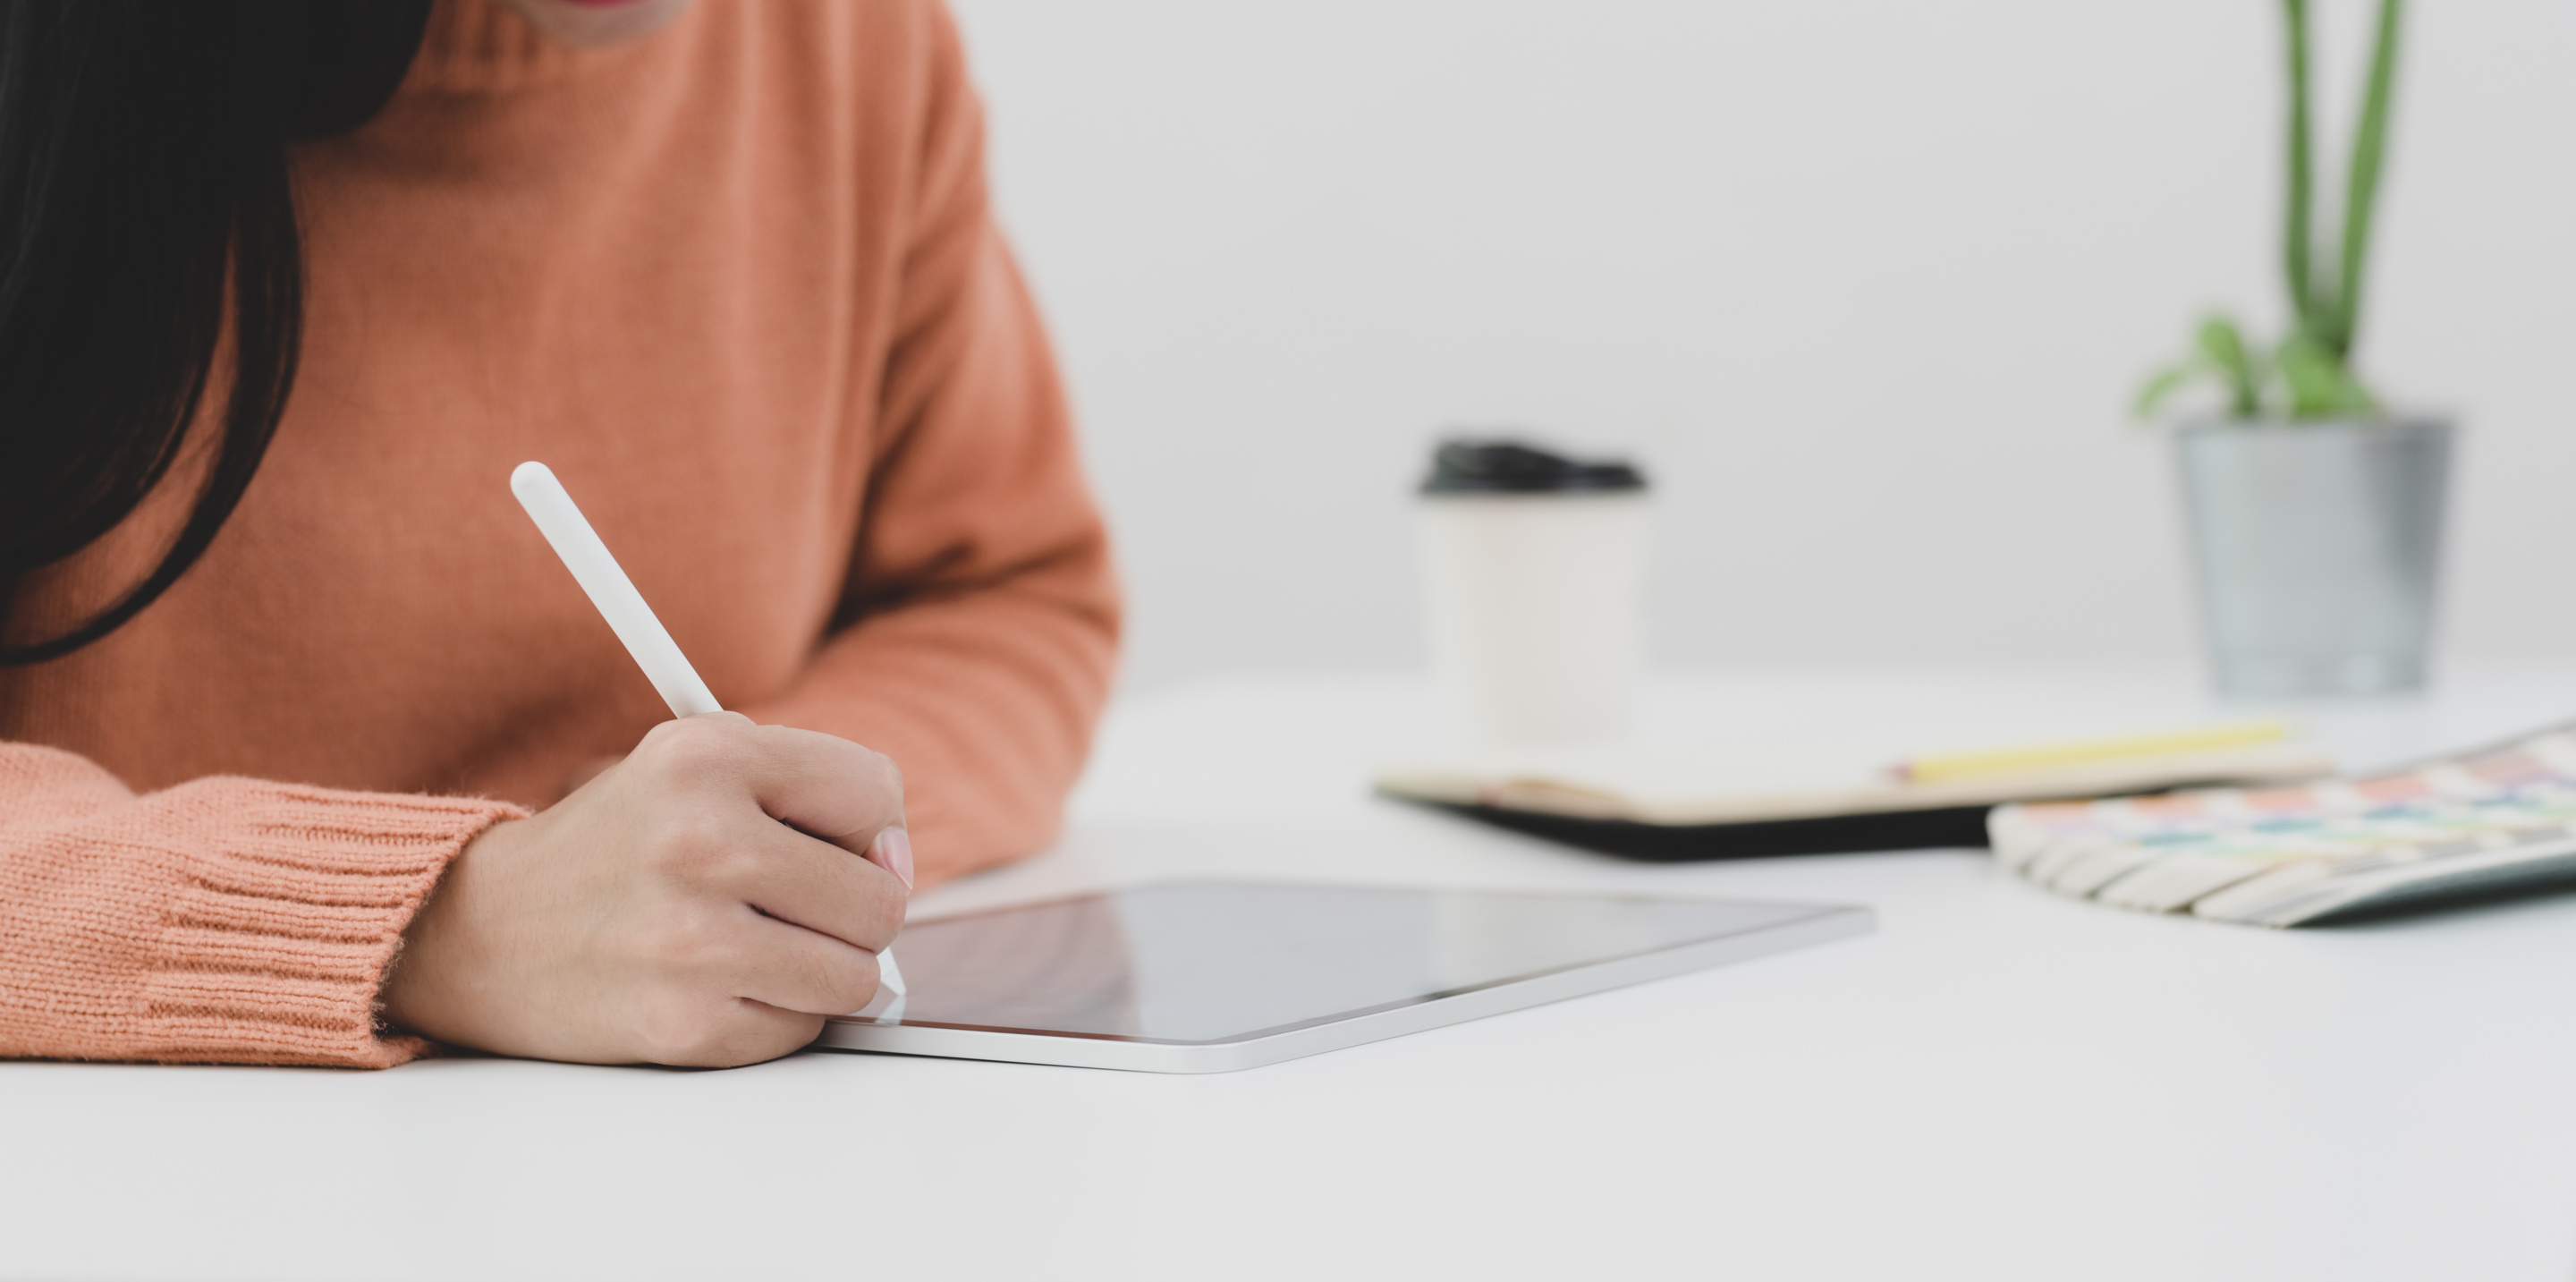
[1461, 466]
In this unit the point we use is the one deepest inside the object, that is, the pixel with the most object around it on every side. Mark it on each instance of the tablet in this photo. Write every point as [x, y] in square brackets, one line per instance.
[1209, 977]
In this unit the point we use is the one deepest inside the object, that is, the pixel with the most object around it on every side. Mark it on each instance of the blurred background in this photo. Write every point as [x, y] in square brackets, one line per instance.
[1867, 287]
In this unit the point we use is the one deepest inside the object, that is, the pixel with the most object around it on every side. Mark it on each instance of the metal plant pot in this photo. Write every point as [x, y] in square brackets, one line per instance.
[2318, 547]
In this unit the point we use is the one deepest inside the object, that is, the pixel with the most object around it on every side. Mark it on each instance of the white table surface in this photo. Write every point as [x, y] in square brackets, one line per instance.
[1999, 1084]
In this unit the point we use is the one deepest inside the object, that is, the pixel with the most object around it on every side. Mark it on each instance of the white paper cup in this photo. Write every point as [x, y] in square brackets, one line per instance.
[1535, 605]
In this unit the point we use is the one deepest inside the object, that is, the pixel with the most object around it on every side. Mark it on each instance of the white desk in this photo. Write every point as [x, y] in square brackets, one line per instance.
[2000, 1084]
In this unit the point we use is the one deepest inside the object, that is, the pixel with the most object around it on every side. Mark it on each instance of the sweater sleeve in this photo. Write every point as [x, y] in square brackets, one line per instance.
[978, 627]
[220, 921]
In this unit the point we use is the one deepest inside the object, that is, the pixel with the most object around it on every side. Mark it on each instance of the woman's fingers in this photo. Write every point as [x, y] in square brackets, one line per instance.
[800, 971]
[726, 1032]
[831, 787]
[818, 887]
[892, 850]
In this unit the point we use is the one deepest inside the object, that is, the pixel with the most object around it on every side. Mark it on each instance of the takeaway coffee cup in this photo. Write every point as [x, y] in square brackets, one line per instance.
[1533, 568]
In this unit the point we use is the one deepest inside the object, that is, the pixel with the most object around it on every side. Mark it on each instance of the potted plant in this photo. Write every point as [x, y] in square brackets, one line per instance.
[2315, 512]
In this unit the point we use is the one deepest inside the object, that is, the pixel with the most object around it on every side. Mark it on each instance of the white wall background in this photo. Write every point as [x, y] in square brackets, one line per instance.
[1865, 285]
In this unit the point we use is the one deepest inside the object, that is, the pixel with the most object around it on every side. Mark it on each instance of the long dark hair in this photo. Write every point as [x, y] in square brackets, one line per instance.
[146, 216]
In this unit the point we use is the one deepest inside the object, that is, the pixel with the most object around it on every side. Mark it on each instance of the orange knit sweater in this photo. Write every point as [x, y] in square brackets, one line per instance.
[739, 285]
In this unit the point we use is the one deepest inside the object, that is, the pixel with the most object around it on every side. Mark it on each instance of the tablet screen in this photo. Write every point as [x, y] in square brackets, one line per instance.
[1197, 962]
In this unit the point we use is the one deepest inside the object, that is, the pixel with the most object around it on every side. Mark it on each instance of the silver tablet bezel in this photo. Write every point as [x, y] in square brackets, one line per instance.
[1820, 924]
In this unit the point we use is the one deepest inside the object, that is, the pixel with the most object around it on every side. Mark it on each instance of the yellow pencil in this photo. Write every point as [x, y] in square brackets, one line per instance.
[1941, 767]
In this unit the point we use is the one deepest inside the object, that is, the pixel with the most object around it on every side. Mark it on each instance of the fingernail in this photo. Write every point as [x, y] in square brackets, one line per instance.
[892, 851]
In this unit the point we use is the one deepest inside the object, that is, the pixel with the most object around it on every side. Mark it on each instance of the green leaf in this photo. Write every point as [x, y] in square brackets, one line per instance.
[2369, 152]
[2298, 253]
[2162, 385]
[2224, 346]
[2319, 383]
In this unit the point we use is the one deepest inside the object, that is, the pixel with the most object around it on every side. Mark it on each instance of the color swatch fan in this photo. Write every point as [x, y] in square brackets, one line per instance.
[2487, 822]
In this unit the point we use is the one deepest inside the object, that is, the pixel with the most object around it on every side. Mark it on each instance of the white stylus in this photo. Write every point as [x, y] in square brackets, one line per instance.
[635, 624]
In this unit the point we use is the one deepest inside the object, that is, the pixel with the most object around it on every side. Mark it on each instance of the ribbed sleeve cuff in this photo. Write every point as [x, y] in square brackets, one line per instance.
[274, 949]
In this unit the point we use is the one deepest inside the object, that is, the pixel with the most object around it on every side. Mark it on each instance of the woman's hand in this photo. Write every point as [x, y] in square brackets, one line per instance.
[706, 901]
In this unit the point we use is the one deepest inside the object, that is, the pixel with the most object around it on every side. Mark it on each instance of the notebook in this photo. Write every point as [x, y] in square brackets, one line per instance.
[2493, 821]
[1677, 802]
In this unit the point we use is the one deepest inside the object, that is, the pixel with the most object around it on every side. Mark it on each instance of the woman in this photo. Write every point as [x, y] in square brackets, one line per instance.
[292, 689]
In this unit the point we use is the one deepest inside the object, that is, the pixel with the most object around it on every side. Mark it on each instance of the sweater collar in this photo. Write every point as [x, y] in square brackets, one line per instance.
[481, 46]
